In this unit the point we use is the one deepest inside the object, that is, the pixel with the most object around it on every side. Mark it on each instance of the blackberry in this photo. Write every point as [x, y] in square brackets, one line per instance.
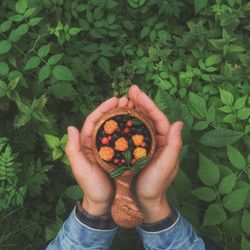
[147, 138]
[119, 155]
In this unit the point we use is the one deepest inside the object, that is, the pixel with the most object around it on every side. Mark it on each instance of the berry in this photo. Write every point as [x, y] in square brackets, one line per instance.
[139, 130]
[137, 139]
[123, 161]
[129, 123]
[139, 152]
[147, 138]
[118, 130]
[116, 160]
[106, 153]
[126, 129]
[110, 137]
[118, 155]
[133, 160]
[121, 144]
[110, 126]
[105, 140]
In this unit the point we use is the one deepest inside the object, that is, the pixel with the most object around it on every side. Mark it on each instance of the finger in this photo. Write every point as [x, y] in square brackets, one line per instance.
[89, 123]
[77, 159]
[123, 101]
[130, 104]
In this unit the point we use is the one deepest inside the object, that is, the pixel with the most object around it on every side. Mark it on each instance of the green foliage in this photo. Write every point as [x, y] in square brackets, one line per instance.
[59, 59]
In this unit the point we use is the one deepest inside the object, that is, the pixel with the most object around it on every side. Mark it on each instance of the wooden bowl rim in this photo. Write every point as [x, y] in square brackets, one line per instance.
[108, 167]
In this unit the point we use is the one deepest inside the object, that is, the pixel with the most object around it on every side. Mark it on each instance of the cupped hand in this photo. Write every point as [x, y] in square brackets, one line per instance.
[96, 185]
[152, 182]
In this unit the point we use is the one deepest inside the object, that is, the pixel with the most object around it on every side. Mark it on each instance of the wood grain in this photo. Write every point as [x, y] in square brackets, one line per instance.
[125, 211]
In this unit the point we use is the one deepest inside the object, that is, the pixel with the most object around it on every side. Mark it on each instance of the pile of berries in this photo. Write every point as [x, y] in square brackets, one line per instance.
[121, 133]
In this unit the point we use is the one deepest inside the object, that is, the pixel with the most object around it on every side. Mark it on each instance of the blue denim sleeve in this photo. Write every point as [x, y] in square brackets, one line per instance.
[75, 235]
[180, 235]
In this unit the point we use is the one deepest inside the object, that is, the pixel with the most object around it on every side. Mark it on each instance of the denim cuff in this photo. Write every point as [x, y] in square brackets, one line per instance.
[162, 224]
[99, 222]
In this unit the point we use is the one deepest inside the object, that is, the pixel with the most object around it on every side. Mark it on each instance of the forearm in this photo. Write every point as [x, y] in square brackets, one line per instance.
[83, 232]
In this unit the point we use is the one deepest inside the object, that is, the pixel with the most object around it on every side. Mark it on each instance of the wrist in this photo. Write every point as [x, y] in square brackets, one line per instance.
[95, 208]
[155, 210]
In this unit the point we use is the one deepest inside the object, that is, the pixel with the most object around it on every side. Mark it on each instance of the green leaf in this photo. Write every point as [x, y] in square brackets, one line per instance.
[32, 63]
[5, 26]
[104, 65]
[226, 109]
[44, 50]
[52, 141]
[63, 91]
[34, 21]
[139, 163]
[198, 103]
[212, 60]
[208, 171]
[243, 113]
[227, 184]
[220, 137]
[211, 114]
[4, 68]
[3, 88]
[117, 172]
[240, 102]
[44, 73]
[204, 193]
[61, 73]
[231, 227]
[199, 5]
[56, 154]
[60, 208]
[55, 59]
[127, 156]
[235, 201]
[15, 35]
[200, 125]
[235, 157]
[74, 192]
[74, 30]
[144, 32]
[214, 215]
[226, 97]
[5, 46]
[245, 244]
[245, 222]
[230, 118]
[21, 6]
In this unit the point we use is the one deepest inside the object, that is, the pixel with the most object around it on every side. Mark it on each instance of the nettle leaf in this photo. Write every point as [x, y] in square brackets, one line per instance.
[245, 222]
[44, 50]
[204, 193]
[104, 65]
[235, 201]
[198, 104]
[220, 137]
[55, 59]
[235, 157]
[226, 97]
[62, 73]
[5, 46]
[227, 184]
[44, 73]
[63, 91]
[199, 5]
[74, 192]
[52, 141]
[212, 60]
[240, 102]
[32, 63]
[214, 215]
[226, 109]
[208, 171]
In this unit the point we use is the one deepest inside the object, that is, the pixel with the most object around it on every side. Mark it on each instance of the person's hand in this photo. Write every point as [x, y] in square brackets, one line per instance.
[152, 182]
[95, 183]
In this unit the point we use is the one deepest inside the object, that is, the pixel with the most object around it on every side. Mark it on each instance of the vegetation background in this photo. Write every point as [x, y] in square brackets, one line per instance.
[59, 59]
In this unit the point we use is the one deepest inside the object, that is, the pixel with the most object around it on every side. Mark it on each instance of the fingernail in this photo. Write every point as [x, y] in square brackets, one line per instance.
[70, 132]
[179, 128]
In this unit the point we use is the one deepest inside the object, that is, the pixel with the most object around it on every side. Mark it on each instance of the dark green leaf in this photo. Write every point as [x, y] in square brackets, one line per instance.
[227, 184]
[214, 215]
[117, 172]
[204, 193]
[104, 65]
[235, 200]
[74, 192]
[61, 73]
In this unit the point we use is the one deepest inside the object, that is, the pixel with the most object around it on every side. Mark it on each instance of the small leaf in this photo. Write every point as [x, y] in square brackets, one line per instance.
[208, 171]
[55, 59]
[240, 102]
[243, 113]
[74, 30]
[63, 91]
[235, 200]
[245, 244]
[52, 141]
[60, 208]
[200, 125]
[104, 65]
[21, 6]
[56, 154]
[5, 46]
[235, 157]
[44, 50]
[212, 60]
[32, 63]
[198, 103]
[226, 109]
[5, 26]
[211, 114]
[44, 73]
[139, 163]
[226, 97]
[245, 222]
[74, 192]
[117, 172]
[61, 73]
[204, 193]
[199, 5]
[127, 156]
[227, 184]
[34, 21]
[214, 215]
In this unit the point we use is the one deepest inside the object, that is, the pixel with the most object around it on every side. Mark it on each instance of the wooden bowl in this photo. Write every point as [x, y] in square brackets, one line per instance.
[125, 210]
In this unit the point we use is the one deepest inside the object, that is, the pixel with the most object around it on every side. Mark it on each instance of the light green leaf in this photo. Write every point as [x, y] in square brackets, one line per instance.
[214, 215]
[104, 65]
[5, 46]
[56, 154]
[61, 73]
[208, 171]
[226, 109]
[230, 118]
[44, 50]
[3, 88]
[211, 114]
[44, 73]
[74, 30]
[55, 59]
[226, 97]
[212, 60]
[199, 5]
[227, 184]
[220, 137]
[198, 103]
[4, 68]
[21, 6]
[204, 193]
[245, 222]
[5, 26]
[243, 113]
[32, 63]
[16, 34]
[240, 102]
[200, 125]
[52, 141]
[235, 200]
[144, 32]
[74, 192]
[34, 21]
[235, 157]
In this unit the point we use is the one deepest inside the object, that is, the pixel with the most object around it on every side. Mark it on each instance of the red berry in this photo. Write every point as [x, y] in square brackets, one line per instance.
[110, 137]
[105, 140]
[129, 123]
[143, 144]
[118, 130]
[123, 161]
[116, 160]
[126, 130]
[132, 161]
